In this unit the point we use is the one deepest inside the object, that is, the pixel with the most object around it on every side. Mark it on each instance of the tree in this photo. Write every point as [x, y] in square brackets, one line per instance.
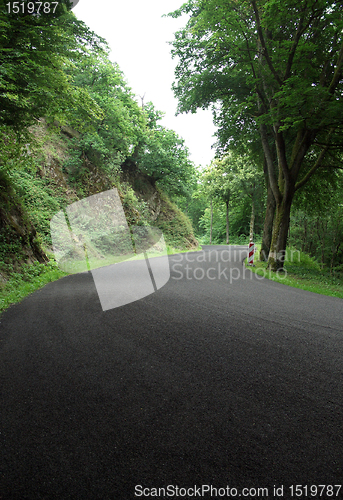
[234, 179]
[193, 202]
[35, 51]
[270, 66]
[214, 187]
[122, 118]
[317, 228]
[163, 155]
[222, 180]
[108, 139]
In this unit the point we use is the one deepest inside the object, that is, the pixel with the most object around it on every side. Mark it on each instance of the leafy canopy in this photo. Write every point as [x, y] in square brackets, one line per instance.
[165, 159]
[35, 51]
[265, 63]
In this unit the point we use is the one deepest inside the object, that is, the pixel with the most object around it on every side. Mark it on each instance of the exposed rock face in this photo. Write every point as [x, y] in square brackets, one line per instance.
[155, 205]
[18, 237]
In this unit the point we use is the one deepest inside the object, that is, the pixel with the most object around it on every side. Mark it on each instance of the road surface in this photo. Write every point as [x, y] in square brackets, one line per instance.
[218, 380]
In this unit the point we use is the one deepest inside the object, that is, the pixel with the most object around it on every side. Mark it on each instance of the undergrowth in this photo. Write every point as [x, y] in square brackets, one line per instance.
[31, 278]
[304, 272]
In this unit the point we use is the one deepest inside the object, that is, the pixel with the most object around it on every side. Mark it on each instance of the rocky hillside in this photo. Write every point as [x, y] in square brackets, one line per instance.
[30, 197]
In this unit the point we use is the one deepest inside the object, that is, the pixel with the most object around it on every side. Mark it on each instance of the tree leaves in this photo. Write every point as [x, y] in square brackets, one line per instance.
[165, 159]
[273, 68]
[34, 52]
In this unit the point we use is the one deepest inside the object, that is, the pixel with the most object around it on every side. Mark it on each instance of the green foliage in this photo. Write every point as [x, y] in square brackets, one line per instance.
[121, 123]
[234, 179]
[15, 150]
[273, 69]
[328, 186]
[54, 67]
[239, 224]
[8, 246]
[41, 199]
[34, 53]
[111, 137]
[218, 228]
[31, 278]
[321, 236]
[304, 272]
[175, 225]
[136, 210]
[164, 157]
[228, 51]
[193, 206]
[317, 228]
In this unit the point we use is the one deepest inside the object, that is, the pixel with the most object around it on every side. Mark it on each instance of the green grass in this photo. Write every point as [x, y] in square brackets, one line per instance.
[171, 250]
[32, 278]
[304, 272]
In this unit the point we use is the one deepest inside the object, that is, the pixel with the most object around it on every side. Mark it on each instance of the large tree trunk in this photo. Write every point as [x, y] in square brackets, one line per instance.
[283, 189]
[269, 170]
[268, 225]
[278, 245]
[227, 222]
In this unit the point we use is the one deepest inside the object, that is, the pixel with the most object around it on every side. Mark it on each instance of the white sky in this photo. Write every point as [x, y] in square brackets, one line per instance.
[138, 36]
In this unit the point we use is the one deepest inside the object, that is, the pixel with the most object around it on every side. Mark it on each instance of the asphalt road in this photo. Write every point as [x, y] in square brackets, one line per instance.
[218, 379]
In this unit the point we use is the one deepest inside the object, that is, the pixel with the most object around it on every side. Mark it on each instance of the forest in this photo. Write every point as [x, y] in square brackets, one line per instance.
[272, 74]
[70, 126]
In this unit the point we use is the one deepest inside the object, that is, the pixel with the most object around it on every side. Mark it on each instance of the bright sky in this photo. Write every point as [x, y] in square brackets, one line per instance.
[138, 35]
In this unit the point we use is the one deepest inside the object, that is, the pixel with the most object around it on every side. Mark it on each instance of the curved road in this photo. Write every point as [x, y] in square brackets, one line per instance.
[219, 379]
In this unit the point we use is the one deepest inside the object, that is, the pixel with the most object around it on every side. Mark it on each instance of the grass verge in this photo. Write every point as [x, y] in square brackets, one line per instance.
[302, 271]
[35, 276]
[31, 278]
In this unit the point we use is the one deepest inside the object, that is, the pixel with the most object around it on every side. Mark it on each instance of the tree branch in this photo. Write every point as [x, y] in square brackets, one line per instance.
[312, 170]
[302, 143]
[281, 153]
[263, 43]
[297, 38]
[338, 72]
